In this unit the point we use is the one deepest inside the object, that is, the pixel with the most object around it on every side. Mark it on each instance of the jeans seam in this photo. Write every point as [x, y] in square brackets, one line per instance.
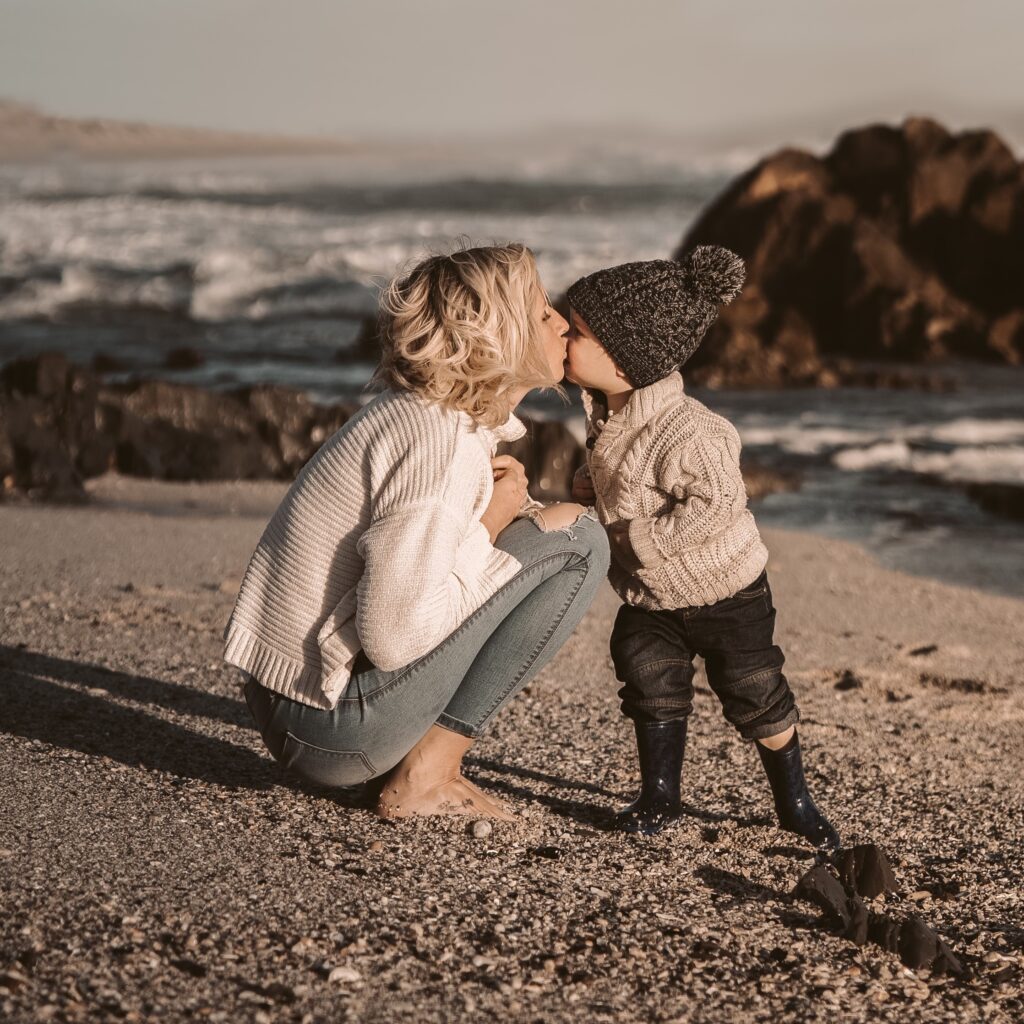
[306, 745]
[535, 654]
[454, 724]
[426, 658]
[762, 675]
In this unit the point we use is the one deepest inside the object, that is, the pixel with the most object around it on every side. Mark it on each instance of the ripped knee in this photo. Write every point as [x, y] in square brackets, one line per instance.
[551, 517]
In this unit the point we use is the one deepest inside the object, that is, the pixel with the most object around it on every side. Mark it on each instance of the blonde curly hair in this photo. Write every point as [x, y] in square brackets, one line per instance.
[460, 330]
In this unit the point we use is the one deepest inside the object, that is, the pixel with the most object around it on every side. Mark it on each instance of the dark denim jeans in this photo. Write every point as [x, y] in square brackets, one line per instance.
[653, 655]
[463, 682]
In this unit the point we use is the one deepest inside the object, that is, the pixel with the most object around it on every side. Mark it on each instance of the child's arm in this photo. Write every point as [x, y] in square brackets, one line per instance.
[705, 481]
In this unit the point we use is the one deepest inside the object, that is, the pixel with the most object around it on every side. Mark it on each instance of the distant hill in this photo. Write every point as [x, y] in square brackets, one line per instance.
[27, 133]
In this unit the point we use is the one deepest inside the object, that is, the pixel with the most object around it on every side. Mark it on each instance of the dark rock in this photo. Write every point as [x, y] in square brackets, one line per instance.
[918, 944]
[866, 870]
[58, 428]
[367, 344]
[193, 967]
[954, 684]
[902, 243]
[1001, 499]
[820, 887]
[884, 932]
[946, 961]
[184, 359]
[857, 928]
[849, 681]
[864, 873]
[104, 363]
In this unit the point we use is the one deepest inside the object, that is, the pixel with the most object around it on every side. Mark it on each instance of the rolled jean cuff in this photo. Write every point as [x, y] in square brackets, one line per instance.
[454, 725]
[759, 730]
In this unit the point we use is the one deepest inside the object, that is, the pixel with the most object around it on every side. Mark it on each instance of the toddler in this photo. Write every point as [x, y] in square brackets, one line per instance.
[688, 562]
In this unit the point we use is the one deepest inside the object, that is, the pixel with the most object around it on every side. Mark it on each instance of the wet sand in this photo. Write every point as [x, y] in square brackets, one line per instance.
[154, 862]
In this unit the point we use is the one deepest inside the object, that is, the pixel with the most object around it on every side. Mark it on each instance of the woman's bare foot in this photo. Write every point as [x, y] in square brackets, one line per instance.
[402, 798]
[429, 780]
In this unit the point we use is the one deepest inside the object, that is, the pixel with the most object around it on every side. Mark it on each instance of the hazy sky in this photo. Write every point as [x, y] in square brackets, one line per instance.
[415, 67]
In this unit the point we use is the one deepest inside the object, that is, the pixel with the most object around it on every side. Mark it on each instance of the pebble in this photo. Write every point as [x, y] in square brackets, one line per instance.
[343, 974]
[482, 829]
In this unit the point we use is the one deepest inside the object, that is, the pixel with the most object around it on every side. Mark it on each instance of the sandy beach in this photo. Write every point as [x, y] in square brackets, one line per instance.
[156, 864]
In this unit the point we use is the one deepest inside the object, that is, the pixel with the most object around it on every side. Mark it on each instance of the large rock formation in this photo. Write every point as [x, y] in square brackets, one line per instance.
[902, 243]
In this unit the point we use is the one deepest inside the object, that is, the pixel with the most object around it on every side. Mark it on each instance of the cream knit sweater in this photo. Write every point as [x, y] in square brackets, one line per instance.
[670, 468]
[377, 545]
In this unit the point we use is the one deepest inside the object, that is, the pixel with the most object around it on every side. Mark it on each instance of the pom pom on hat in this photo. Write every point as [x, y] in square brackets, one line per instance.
[714, 273]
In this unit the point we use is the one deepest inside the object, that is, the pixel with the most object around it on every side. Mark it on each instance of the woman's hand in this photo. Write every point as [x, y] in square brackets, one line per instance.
[509, 494]
[583, 486]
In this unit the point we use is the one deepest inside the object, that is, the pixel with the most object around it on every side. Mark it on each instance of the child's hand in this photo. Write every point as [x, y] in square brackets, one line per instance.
[583, 486]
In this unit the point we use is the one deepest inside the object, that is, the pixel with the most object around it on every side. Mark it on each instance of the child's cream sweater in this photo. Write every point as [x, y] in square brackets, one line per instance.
[667, 469]
[378, 545]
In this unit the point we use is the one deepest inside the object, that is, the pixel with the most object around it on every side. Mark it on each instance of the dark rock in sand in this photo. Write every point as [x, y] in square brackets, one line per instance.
[918, 944]
[866, 870]
[902, 243]
[820, 887]
[849, 681]
[857, 928]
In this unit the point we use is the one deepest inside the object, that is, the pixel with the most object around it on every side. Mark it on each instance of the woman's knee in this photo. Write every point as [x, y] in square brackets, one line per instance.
[579, 523]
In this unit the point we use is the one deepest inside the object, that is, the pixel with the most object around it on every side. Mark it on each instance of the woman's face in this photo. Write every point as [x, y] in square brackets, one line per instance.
[553, 328]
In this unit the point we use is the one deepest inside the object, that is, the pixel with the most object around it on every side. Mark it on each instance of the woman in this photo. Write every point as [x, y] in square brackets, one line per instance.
[407, 586]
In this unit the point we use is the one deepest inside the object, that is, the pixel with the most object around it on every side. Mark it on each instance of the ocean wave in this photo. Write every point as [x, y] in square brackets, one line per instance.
[215, 289]
[803, 439]
[962, 465]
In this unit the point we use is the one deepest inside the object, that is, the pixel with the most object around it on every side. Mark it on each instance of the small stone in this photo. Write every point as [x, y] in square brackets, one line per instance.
[481, 829]
[849, 681]
[376, 846]
[343, 974]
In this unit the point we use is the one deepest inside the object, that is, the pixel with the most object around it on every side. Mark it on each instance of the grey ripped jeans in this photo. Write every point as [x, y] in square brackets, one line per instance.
[462, 682]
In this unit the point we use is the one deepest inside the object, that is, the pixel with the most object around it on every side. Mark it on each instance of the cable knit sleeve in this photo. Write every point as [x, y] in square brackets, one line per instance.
[703, 477]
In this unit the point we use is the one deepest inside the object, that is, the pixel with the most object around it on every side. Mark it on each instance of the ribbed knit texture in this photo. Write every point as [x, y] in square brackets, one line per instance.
[671, 467]
[377, 545]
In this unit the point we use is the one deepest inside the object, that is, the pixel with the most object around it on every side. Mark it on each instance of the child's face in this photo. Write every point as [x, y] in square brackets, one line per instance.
[588, 363]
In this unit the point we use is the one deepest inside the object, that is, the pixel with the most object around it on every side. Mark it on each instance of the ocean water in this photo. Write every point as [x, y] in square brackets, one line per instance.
[267, 267]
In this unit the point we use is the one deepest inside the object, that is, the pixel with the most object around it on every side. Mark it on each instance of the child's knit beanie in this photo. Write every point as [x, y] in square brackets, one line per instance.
[651, 316]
